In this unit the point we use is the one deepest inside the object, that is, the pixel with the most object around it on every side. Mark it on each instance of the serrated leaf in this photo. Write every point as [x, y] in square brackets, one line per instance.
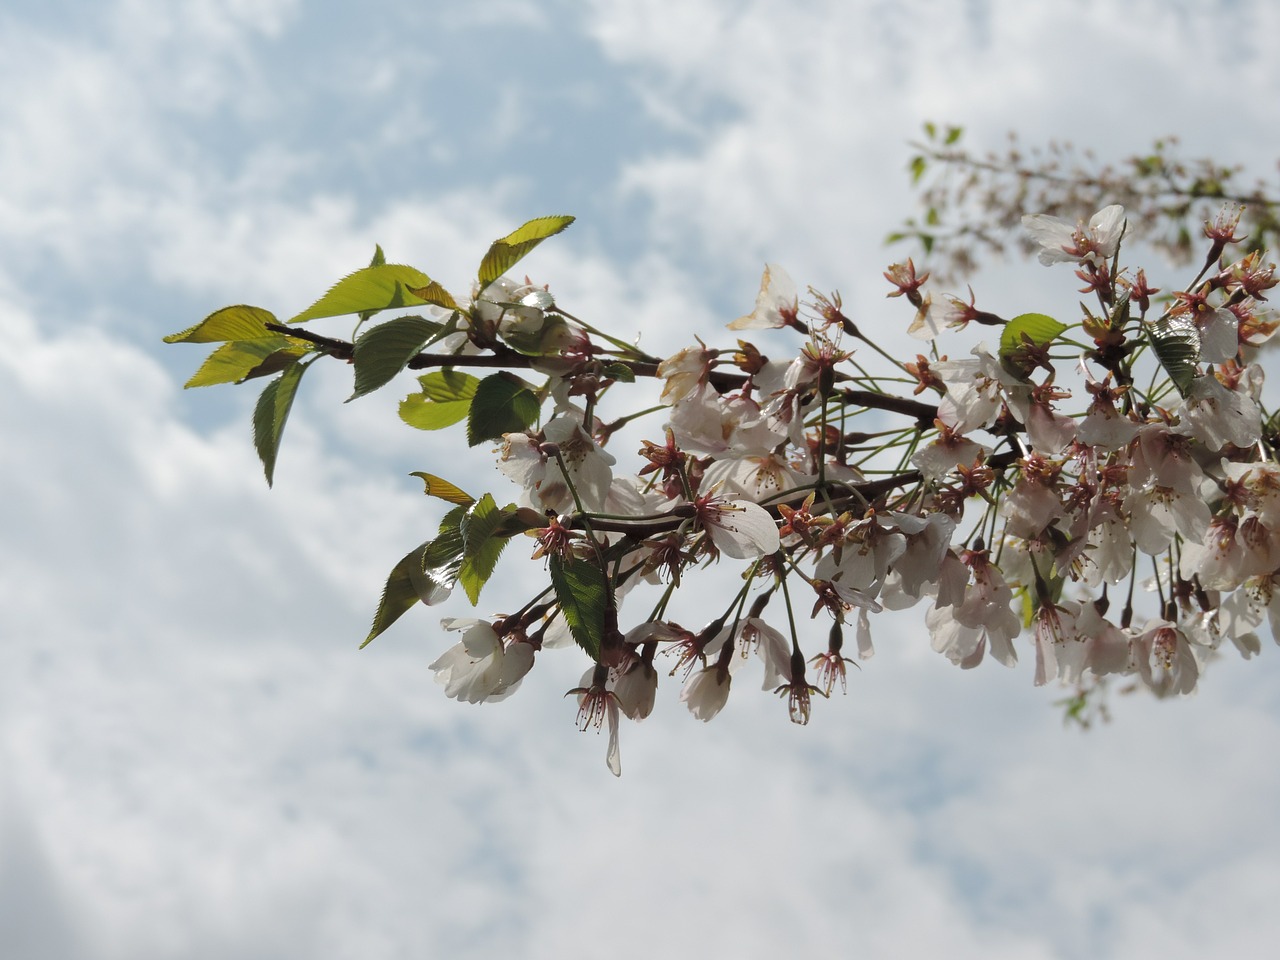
[443, 386]
[379, 287]
[481, 548]
[445, 399]
[271, 413]
[379, 258]
[399, 594]
[502, 404]
[1034, 328]
[273, 364]
[381, 353]
[240, 322]
[443, 489]
[620, 372]
[1177, 347]
[434, 293]
[583, 592]
[511, 249]
[234, 360]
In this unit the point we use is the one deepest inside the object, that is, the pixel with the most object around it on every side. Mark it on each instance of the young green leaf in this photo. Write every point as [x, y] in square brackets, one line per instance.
[583, 593]
[234, 360]
[380, 287]
[270, 414]
[443, 489]
[434, 293]
[481, 545]
[230, 323]
[511, 249]
[399, 594]
[384, 351]
[1033, 328]
[445, 399]
[503, 404]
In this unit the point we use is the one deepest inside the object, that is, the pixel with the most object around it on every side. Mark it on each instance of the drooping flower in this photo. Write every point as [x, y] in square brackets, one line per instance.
[738, 528]
[481, 667]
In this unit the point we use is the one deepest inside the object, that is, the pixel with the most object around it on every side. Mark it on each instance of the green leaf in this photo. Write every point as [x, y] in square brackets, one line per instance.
[434, 293]
[481, 548]
[583, 593]
[384, 351]
[280, 360]
[445, 399]
[1177, 347]
[511, 249]
[270, 414]
[437, 487]
[234, 361]
[230, 323]
[620, 372]
[503, 404]
[379, 258]
[1036, 328]
[953, 134]
[918, 166]
[399, 594]
[379, 287]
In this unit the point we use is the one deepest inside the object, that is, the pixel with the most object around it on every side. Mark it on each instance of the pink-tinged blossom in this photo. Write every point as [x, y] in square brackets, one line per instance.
[1054, 627]
[1217, 416]
[1100, 648]
[777, 303]
[738, 528]
[1156, 513]
[770, 645]
[950, 450]
[962, 631]
[1164, 659]
[1103, 425]
[928, 539]
[597, 704]
[480, 668]
[1062, 242]
[534, 467]
[1219, 335]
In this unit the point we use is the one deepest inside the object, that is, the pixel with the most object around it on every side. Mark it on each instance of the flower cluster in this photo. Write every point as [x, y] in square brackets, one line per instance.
[1020, 489]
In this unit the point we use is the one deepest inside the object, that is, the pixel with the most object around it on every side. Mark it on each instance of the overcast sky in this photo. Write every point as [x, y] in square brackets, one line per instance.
[196, 761]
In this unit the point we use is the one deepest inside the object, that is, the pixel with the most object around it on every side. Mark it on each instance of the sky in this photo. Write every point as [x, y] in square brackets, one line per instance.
[195, 758]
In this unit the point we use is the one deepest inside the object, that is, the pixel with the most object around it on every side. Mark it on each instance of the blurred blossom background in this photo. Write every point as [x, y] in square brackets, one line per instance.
[196, 761]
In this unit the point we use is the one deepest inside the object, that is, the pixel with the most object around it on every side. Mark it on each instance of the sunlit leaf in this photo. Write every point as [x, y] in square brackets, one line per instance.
[380, 287]
[271, 413]
[481, 548]
[230, 323]
[445, 399]
[384, 351]
[511, 249]
[1029, 328]
[434, 293]
[443, 489]
[235, 360]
